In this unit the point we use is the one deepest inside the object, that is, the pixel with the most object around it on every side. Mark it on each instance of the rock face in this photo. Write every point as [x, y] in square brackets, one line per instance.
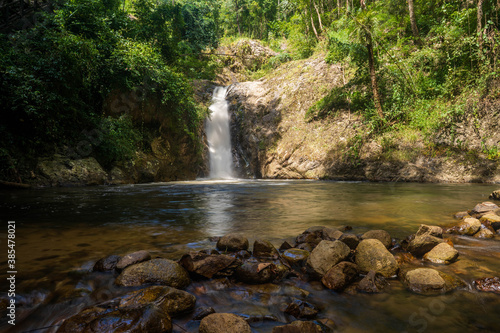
[298, 326]
[340, 275]
[382, 235]
[232, 243]
[490, 284]
[264, 249]
[326, 255]
[137, 320]
[63, 171]
[209, 265]
[442, 253]
[106, 264]
[372, 255]
[132, 258]
[156, 271]
[223, 323]
[170, 300]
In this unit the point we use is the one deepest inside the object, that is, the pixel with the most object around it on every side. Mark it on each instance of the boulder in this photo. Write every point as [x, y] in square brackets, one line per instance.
[430, 281]
[285, 246]
[422, 244]
[432, 230]
[138, 320]
[301, 309]
[326, 255]
[106, 264]
[468, 226]
[495, 195]
[156, 271]
[382, 235]
[350, 240]
[202, 312]
[489, 284]
[224, 323]
[264, 249]
[298, 326]
[461, 215]
[60, 170]
[442, 253]
[340, 275]
[256, 273]
[208, 266]
[232, 243]
[314, 235]
[484, 233]
[373, 282]
[133, 258]
[491, 219]
[295, 257]
[483, 208]
[170, 300]
[372, 255]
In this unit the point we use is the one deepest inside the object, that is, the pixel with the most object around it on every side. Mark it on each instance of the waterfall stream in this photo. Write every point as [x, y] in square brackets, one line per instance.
[219, 137]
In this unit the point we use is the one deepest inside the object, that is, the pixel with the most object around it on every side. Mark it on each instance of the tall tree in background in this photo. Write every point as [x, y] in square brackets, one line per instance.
[480, 25]
[413, 20]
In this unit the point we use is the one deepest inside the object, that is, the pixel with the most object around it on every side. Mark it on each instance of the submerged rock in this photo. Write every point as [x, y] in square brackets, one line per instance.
[442, 253]
[295, 257]
[301, 309]
[106, 264]
[264, 249]
[372, 255]
[326, 255]
[430, 281]
[383, 236]
[232, 243]
[224, 323]
[170, 300]
[209, 265]
[133, 258]
[373, 282]
[138, 320]
[298, 326]
[155, 271]
[202, 312]
[489, 284]
[340, 275]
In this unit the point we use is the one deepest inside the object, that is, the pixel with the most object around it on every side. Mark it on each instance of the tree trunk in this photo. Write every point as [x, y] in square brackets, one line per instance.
[319, 16]
[373, 77]
[238, 18]
[413, 19]
[338, 9]
[480, 24]
[314, 28]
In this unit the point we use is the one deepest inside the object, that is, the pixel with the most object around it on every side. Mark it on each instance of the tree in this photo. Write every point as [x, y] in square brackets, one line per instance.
[480, 25]
[413, 20]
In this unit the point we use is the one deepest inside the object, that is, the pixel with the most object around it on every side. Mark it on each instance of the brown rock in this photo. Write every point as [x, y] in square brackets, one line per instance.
[491, 219]
[133, 258]
[264, 249]
[489, 284]
[301, 309]
[295, 257]
[106, 264]
[256, 273]
[422, 244]
[350, 240]
[340, 275]
[484, 207]
[224, 323]
[383, 236]
[209, 265]
[298, 326]
[430, 230]
[495, 195]
[326, 255]
[372, 283]
[372, 255]
[442, 253]
[232, 243]
[484, 233]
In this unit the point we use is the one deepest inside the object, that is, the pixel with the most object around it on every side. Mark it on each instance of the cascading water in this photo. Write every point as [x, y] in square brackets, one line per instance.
[219, 137]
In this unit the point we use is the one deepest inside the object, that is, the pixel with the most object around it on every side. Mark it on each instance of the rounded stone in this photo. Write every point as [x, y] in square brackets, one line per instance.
[232, 243]
[264, 249]
[424, 280]
[133, 258]
[156, 271]
[224, 323]
[372, 255]
[326, 255]
[295, 256]
[442, 253]
[106, 264]
[383, 236]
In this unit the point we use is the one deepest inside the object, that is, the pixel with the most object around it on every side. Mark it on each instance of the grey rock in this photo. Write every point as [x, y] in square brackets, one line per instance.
[372, 255]
[383, 236]
[224, 323]
[326, 255]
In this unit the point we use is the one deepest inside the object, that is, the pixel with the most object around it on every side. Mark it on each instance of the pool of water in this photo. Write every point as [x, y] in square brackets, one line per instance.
[61, 232]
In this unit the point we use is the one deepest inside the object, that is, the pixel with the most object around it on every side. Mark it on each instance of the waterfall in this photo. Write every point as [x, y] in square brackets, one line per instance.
[219, 137]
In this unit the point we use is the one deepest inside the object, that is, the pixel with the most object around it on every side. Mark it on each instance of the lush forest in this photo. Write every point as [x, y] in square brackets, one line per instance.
[410, 65]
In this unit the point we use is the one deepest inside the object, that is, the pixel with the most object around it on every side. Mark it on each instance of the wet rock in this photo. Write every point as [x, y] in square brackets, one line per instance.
[256, 273]
[432, 230]
[326, 255]
[306, 246]
[295, 257]
[133, 258]
[264, 249]
[209, 265]
[468, 226]
[495, 195]
[373, 282]
[155, 271]
[314, 235]
[489, 284]
[350, 240]
[202, 312]
[442, 253]
[301, 309]
[298, 326]
[224, 323]
[138, 320]
[430, 281]
[372, 255]
[422, 244]
[312, 240]
[60, 170]
[483, 208]
[484, 233]
[285, 246]
[106, 264]
[461, 215]
[232, 243]
[170, 300]
[492, 220]
[243, 254]
[382, 235]
[340, 275]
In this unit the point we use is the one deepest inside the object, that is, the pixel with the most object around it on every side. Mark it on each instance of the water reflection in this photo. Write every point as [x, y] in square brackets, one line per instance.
[218, 211]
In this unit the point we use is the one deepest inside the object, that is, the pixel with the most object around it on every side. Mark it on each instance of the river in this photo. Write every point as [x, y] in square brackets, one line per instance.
[61, 232]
